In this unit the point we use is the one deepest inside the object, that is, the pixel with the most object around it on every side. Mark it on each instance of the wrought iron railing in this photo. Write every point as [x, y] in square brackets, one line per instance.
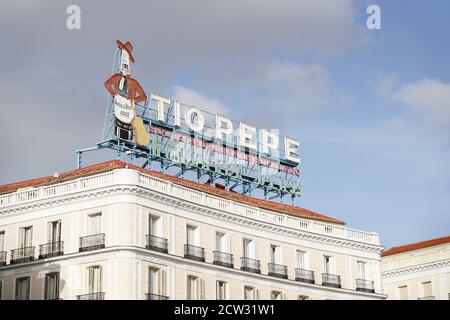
[303, 275]
[277, 270]
[92, 296]
[194, 252]
[22, 255]
[365, 285]
[92, 242]
[154, 296]
[250, 265]
[223, 259]
[2, 258]
[51, 249]
[156, 243]
[331, 280]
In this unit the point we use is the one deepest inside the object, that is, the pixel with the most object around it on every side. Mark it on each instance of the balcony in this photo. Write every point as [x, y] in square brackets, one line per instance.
[223, 259]
[365, 286]
[93, 242]
[154, 296]
[194, 253]
[92, 296]
[250, 265]
[156, 243]
[22, 255]
[51, 249]
[426, 298]
[277, 270]
[331, 280]
[303, 275]
[2, 258]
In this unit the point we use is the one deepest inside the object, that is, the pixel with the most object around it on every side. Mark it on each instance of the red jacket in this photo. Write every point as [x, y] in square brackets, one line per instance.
[135, 91]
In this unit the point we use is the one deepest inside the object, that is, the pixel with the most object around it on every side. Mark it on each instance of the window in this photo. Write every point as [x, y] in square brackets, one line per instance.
[154, 227]
[303, 297]
[301, 259]
[403, 292]
[157, 281]
[275, 254]
[361, 270]
[52, 286]
[1, 289]
[23, 288]
[54, 231]
[195, 288]
[2, 241]
[94, 279]
[221, 290]
[25, 237]
[248, 249]
[251, 293]
[277, 295]
[328, 267]
[191, 235]
[94, 224]
[427, 289]
[222, 242]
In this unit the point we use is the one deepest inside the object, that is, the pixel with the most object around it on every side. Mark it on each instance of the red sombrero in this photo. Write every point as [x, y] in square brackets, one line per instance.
[128, 47]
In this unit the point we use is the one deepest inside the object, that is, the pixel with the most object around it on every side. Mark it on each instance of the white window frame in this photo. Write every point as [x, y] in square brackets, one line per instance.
[29, 286]
[195, 288]
[254, 292]
[196, 238]
[91, 290]
[25, 240]
[91, 228]
[158, 227]
[252, 252]
[222, 290]
[2, 240]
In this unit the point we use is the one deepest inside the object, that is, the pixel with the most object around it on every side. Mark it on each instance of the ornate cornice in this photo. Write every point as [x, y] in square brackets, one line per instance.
[416, 268]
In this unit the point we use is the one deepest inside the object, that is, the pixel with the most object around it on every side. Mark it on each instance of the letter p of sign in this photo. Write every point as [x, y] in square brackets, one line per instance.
[73, 21]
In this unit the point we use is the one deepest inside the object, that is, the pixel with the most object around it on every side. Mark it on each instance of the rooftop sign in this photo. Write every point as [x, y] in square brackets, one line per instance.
[155, 128]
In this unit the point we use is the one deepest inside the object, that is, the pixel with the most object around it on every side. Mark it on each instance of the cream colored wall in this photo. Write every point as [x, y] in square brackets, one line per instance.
[125, 224]
[409, 268]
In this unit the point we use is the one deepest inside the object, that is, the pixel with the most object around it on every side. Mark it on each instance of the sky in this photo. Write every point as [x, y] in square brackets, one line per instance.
[371, 108]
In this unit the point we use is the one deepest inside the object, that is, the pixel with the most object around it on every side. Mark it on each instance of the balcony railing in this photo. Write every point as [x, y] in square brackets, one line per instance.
[51, 249]
[92, 296]
[22, 255]
[277, 270]
[303, 275]
[331, 280]
[93, 242]
[154, 296]
[194, 253]
[365, 285]
[250, 265]
[2, 258]
[156, 243]
[426, 298]
[223, 259]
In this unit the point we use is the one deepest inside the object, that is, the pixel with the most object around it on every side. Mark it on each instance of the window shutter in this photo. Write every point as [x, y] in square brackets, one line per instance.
[162, 282]
[201, 289]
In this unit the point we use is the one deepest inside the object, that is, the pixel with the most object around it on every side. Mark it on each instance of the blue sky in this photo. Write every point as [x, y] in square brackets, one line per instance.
[370, 107]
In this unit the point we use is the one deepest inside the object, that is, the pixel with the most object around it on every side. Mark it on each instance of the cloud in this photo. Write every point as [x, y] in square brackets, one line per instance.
[427, 97]
[385, 85]
[195, 99]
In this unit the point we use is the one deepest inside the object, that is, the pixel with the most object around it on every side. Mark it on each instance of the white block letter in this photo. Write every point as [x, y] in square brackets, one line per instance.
[220, 131]
[247, 132]
[290, 152]
[270, 141]
[189, 118]
[74, 20]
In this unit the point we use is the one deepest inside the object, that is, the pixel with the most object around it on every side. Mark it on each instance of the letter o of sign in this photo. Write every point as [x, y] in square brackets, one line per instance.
[194, 124]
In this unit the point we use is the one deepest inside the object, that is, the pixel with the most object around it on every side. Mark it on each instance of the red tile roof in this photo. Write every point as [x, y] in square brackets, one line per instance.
[114, 164]
[416, 246]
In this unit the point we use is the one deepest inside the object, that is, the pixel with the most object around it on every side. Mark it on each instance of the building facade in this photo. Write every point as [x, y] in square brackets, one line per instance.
[116, 231]
[418, 271]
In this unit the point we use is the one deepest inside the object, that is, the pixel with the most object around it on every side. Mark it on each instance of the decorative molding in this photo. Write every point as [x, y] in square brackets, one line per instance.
[186, 205]
[416, 268]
